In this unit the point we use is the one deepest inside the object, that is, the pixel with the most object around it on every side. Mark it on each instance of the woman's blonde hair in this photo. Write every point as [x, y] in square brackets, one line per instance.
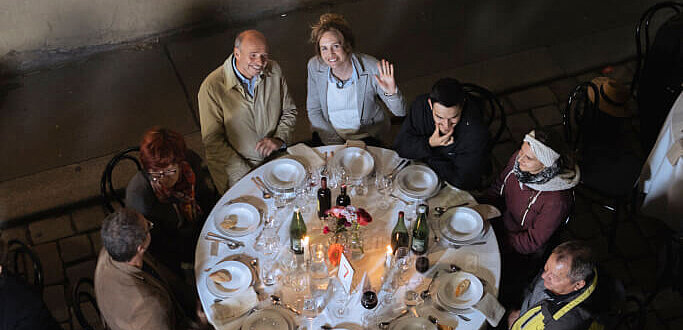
[336, 23]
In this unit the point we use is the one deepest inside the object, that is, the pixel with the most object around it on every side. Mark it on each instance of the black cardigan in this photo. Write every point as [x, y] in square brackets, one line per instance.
[461, 163]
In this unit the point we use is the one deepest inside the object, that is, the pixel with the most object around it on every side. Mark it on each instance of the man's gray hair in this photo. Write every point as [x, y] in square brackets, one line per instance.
[581, 256]
[122, 233]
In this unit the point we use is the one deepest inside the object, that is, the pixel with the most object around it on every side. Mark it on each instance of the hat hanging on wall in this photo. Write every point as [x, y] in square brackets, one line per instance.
[614, 97]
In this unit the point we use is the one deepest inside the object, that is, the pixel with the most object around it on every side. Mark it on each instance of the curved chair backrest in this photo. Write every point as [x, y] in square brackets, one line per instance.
[82, 295]
[491, 109]
[643, 32]
[578, 107]
[24, 263]
[107, 191]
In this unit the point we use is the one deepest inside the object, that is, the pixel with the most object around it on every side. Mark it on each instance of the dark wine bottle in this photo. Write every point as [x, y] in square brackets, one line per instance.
[399, 235]
[297, 231]
[343, 199]
[420, 241]
[324, 198]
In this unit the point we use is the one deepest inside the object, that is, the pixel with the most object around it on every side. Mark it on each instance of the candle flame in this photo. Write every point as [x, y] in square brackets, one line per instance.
[305, 240]
[389, 250]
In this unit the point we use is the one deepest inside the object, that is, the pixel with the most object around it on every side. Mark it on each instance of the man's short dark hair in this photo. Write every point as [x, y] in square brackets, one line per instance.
[448, 92]
[581, 258]
[122, 233]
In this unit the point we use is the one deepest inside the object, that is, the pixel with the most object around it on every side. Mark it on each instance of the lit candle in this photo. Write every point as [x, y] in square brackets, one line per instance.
[307, 251]
[390, 253]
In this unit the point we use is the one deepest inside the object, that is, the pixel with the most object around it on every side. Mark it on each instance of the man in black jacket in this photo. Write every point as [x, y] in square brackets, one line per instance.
[445, 130]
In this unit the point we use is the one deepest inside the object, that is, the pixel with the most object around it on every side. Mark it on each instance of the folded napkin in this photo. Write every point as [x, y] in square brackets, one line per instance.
[675, 152]
[355, 143]
[491, 308]
[227, 309]
[311, 156]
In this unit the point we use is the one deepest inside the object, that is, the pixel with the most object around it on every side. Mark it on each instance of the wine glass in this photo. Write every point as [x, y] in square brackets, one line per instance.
[269, 271]
[402, 263]
[383, 184]
[340, 297]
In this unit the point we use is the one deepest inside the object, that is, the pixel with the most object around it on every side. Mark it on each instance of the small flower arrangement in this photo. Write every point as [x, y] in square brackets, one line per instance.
[341, 220]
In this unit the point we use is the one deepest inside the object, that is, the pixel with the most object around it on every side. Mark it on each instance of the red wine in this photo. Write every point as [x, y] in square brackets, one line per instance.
[369, 299]
[324, 198]
[343, 199]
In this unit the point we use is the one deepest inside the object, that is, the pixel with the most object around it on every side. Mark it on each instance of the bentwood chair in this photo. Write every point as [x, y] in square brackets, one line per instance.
[24, 264]
[642, 36]
[83, 300]
[491, 108]
[609, 170]
[108, 192]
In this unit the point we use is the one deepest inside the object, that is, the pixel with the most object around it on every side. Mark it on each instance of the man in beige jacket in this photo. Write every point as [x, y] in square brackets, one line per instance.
[245, 111]
[132, 290]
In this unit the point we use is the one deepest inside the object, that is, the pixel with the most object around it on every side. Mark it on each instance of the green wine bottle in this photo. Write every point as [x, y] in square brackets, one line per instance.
[420, 241]
[297, 231]
[399, 235]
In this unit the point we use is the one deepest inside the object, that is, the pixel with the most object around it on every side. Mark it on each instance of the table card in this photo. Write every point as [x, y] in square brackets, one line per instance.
[345, 273]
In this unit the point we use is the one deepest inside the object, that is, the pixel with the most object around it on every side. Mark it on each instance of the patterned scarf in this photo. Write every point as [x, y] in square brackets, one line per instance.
[182, 194]
[541, 177]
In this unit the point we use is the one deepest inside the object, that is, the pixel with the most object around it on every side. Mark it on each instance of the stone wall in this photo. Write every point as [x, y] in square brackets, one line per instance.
[31, 25]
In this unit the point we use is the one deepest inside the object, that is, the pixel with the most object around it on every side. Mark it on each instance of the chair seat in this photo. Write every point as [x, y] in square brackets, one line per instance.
[610, 173]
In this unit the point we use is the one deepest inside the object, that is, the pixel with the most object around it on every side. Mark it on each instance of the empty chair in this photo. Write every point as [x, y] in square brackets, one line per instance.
[83, 300]
[25, 264]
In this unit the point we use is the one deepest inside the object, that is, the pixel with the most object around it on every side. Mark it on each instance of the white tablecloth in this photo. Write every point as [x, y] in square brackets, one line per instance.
[482, 260]
[662, 175]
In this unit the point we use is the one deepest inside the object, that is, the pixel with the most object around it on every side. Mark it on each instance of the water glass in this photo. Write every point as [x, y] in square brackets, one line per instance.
[384, 187]
[269, 271]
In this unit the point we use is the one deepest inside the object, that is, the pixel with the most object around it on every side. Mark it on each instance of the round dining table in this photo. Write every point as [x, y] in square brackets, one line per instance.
[481, 259]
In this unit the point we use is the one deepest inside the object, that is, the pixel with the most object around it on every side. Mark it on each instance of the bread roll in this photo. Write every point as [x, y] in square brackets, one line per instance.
[221, 276]
[229, 221]
[462, 287]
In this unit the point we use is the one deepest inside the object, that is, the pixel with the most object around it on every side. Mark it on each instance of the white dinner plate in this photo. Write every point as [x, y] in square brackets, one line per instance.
[246, 216]
[284, 173]
[357, 162]
[412, 323]
[241, 279]
[462, 224]
[267, 319]
[446, 291]
[417, 181]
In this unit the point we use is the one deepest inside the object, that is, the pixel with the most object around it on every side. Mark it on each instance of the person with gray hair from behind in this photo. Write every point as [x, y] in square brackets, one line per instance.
[559, 297]
[245, 111]
[133, 291]
[21, 306]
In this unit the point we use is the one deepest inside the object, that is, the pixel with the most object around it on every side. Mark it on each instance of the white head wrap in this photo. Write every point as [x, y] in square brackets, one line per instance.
[544, 154]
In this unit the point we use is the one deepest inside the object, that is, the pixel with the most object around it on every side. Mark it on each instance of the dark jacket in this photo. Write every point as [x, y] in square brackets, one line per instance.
[461, 163]
[173, 239]
[22, 308]
[545, 212]
[543, 310]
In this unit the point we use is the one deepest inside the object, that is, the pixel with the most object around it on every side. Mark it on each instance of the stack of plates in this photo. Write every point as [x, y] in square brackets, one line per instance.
[241, 279]
[445, 291]
[417, 181]
[461, 225]
[284, 175]
[413, 323]
[246, 219]
[268, 319]
[358, 163]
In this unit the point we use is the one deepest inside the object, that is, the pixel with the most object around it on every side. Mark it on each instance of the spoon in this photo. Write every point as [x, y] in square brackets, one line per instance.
[440, 210]
[276, 301]
[264, 191]
[385, 324]
[434, 320]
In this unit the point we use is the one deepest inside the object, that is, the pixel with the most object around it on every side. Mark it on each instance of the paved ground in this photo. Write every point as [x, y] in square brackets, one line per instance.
[61, 125]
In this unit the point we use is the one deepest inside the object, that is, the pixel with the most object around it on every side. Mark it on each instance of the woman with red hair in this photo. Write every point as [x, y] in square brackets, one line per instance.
[173, 193]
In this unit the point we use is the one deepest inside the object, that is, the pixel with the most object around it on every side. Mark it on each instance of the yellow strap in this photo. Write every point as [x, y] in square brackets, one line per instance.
[583, 296]
[535, 323]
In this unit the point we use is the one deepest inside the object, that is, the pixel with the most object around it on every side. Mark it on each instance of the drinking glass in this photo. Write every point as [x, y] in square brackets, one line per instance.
[340, 297]
[383, 184]
[269, 271]
[318, 268]
[402, 264]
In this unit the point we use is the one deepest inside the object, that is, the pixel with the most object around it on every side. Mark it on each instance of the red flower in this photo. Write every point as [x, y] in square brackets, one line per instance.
[363, 217]
[326, 230]
[334, 253]
[336, 211]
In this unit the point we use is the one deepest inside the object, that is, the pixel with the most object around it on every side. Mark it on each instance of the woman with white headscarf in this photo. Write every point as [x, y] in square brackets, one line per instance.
[536, 187]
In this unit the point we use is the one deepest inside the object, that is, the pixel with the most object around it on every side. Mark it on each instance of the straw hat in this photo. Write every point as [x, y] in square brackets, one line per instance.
[613, 96]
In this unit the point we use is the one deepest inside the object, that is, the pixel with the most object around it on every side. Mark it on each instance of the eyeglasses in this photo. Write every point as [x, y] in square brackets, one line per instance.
[156, 176]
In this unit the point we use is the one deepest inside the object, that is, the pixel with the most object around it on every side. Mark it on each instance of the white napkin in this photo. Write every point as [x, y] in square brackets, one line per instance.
[226, 310]
[311, 156]
[491, 308]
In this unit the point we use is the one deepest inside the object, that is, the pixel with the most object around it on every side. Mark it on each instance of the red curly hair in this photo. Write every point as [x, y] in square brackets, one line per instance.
[161, 147]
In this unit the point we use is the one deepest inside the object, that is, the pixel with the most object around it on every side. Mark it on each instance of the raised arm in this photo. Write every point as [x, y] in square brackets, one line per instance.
[387, 89]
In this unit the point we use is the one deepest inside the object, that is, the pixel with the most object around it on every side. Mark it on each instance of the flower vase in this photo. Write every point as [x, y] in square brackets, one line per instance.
[354, 248]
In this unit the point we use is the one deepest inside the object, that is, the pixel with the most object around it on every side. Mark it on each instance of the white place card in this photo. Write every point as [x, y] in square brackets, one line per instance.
[345, 273]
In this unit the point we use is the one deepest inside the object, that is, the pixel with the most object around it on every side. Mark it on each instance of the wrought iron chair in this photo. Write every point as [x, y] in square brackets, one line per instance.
[108, 192]
[608, 170]
[643, 46]
[491, 109]
[25, 264]
[82, 295]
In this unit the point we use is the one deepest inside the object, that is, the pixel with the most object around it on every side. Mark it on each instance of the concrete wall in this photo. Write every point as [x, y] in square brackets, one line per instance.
[28, 25]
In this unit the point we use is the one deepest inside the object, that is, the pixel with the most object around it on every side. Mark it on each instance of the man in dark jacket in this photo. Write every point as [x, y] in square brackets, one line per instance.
[559, 297]
[445, 131]
[21, 306]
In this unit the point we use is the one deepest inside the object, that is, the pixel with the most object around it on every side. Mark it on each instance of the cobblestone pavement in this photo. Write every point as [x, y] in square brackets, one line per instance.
[67, 243]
